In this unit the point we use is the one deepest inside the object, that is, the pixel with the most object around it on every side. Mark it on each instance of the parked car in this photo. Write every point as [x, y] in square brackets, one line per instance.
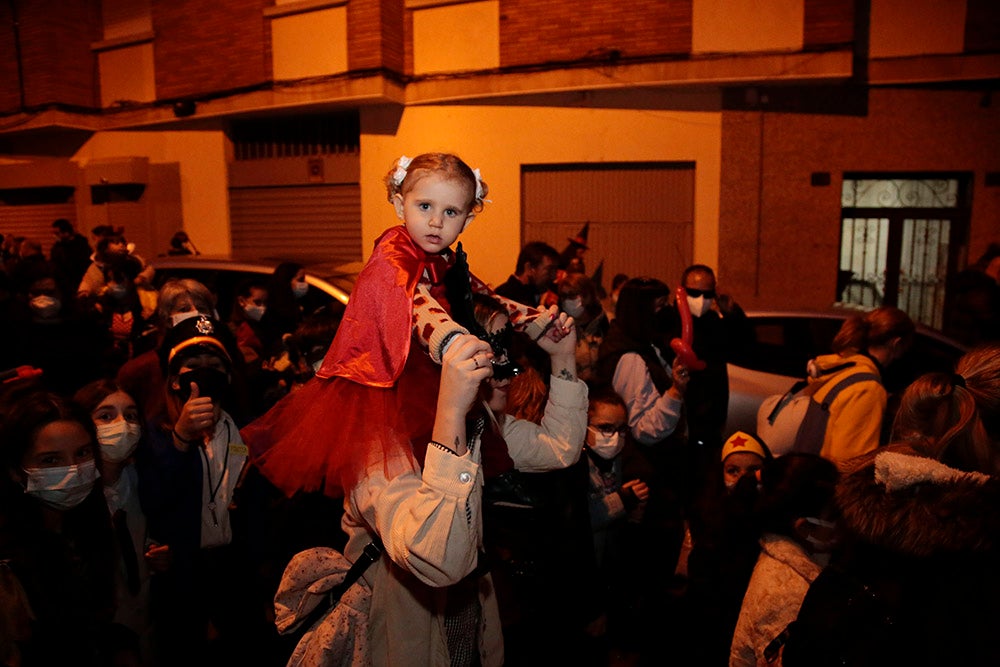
[331, 283]
[785, 341]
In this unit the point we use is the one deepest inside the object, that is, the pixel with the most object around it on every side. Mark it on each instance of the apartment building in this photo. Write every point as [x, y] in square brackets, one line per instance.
[813, 150]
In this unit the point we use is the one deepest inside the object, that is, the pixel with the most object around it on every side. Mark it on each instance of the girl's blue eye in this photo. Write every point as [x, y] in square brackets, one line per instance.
[423, 207]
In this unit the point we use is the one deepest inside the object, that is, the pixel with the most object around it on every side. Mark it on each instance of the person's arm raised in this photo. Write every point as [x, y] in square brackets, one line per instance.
[560, 343]
[465, 365]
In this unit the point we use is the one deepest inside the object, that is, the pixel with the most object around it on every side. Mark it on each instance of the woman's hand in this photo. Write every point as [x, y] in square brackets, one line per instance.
[560, 342]
[465, 365]
[158, 557]
[681, 376]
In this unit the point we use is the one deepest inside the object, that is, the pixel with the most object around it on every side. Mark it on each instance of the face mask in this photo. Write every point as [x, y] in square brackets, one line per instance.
[300, 289]
[62, 487]
[573, 307]
[45, 306]
[211, 382]
[177, 318]
[116, 291]
[254, 312]
[699, 305]
[118, 440]
[606, 446]
[820, 545]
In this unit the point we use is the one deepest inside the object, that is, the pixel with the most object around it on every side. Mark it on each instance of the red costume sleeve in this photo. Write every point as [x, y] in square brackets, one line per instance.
[373, 339]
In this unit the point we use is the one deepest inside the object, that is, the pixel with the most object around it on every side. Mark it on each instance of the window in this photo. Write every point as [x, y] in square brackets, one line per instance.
[899, 236]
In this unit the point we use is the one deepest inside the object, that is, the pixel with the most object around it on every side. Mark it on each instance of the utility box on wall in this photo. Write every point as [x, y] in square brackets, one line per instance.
[132, 192]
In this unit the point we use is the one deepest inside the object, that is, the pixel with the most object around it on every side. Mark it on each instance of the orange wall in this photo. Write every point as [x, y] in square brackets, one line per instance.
[499, 140]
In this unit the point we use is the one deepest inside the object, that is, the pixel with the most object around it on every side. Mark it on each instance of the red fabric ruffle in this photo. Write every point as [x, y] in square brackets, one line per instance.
[324, 436]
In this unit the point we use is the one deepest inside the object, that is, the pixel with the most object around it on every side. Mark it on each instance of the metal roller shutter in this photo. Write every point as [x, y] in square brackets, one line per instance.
[35, 222]
[303, 223]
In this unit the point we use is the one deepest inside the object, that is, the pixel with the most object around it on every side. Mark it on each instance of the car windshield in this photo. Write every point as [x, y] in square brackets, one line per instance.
[331, 283]
[784, 343]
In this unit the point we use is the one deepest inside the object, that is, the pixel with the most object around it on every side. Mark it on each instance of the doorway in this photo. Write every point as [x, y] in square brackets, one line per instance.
[901, 236]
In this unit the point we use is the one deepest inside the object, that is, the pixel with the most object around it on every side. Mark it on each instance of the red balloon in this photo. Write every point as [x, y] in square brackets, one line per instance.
[682, 346]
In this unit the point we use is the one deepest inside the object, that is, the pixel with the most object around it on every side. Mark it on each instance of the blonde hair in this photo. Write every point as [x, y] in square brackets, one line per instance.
[955, 418]
[400, 179]
[875, 328]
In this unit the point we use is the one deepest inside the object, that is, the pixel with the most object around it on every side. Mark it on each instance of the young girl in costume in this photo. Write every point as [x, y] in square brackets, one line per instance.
[373, 393]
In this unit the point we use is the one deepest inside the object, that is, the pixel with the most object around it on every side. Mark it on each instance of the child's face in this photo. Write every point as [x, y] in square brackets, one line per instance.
[435, 211]
[59, 443]
[118, 406]
[738, 464]
[606, 419]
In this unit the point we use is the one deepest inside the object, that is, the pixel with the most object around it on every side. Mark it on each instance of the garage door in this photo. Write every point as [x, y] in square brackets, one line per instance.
[641, 215]
[35, 221]
[304, 223]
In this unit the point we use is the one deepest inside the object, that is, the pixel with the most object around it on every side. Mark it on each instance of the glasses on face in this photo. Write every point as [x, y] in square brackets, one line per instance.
[610, 429]
[694, 292]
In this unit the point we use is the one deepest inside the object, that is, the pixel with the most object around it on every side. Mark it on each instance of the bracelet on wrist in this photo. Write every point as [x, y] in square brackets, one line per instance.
[185, 440]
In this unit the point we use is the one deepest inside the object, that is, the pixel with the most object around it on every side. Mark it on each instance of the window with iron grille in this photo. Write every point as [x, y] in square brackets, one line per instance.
[900, 237]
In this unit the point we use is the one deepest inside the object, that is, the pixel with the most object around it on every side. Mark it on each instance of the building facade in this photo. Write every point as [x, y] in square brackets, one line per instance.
[812, 150]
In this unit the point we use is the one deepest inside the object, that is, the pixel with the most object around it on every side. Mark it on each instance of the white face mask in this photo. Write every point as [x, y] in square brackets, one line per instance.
[254, 312]
[699, 306]
[573, 307]
[300, 289]
[118, 439]
[62, 487]
[45, 306]
[606, 446]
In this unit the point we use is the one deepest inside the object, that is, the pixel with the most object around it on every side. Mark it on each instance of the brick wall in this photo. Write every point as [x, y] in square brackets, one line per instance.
[204, 47]
[537, 32]
[828, 22]
[905, 131]
[58, 65]
[9, 85]
[375, 34]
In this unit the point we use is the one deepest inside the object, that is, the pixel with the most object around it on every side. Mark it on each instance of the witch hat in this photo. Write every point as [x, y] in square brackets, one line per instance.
[581, 238]
[598, 279]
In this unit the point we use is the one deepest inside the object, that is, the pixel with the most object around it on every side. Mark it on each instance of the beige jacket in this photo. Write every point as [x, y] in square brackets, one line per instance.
[431, 526]
[779, 583]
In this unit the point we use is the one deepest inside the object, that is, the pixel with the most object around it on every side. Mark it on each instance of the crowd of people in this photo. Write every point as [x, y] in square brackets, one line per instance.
[448, 474]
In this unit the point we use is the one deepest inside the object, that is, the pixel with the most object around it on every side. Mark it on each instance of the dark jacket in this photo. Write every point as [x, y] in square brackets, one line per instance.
[918, 583]
[515, 290]
[716, 341]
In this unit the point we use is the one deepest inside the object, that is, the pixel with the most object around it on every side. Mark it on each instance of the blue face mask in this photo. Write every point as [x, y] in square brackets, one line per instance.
[62, 487]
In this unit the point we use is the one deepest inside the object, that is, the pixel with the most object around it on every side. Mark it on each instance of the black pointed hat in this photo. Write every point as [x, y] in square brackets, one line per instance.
[581, 238]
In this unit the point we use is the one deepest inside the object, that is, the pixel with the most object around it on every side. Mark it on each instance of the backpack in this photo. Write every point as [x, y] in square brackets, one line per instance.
[795, 421]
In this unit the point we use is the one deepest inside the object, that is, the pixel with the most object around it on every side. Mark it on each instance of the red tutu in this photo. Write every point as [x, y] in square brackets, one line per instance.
[324, 436]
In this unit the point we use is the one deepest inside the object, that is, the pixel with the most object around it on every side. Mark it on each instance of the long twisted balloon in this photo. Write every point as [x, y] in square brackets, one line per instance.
[682, 346]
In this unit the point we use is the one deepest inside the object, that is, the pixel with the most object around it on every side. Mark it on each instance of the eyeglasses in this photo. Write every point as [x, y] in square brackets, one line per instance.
[695, 292]
[610, 429]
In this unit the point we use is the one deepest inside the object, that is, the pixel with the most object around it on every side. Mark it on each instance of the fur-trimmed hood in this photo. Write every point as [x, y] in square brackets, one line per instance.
[900, 501]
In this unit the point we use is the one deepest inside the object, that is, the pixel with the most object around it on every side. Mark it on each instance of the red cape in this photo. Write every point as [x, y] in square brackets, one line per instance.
[373, 339]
